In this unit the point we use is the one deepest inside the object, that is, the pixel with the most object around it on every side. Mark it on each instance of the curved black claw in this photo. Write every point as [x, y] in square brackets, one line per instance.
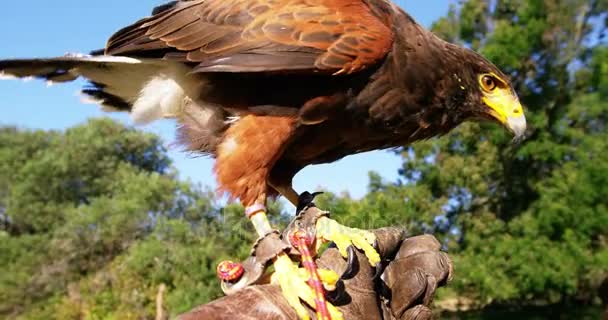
[352, 264]
[379, 267]
[305, 199]
[376, 245]
[338, 295]
[379, 270]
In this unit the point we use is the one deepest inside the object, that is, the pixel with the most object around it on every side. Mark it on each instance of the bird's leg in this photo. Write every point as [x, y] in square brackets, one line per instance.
[286, 191]
[257, 216]
[293, 282]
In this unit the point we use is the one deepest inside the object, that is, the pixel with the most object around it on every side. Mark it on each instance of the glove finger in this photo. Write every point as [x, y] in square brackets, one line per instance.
[255, 302]
[435, 263]
[357, 299]
[414, 279]
[448, 261]
[418, 244]
[429, 293]
[406, 288]
[418, 312]
[388, 241]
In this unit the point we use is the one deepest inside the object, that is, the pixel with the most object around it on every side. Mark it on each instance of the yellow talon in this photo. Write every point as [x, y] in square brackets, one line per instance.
[293, 283]
[330, 230]
[329, 278]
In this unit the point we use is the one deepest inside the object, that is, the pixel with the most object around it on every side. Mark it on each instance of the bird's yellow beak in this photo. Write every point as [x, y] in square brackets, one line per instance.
[505, 107]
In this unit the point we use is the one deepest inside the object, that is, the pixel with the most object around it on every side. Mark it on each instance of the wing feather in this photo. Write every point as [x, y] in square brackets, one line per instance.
[334, 36]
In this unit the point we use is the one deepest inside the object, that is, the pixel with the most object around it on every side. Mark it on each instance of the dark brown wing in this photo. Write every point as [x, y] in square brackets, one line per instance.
[335, 36]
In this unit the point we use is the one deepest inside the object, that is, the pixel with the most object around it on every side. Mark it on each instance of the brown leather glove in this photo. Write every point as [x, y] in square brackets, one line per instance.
[414, 269]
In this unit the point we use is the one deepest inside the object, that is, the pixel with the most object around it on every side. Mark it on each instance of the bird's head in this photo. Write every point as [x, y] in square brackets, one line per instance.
[488, 93]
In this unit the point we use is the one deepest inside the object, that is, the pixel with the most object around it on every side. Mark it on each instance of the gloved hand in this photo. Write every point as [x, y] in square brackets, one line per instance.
[414, 268]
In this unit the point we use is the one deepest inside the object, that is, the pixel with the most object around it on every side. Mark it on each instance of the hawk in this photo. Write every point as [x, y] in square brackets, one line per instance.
[267, 87]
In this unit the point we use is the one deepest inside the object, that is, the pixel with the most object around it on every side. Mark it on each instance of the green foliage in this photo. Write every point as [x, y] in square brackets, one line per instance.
[385, 205]
[93, 221]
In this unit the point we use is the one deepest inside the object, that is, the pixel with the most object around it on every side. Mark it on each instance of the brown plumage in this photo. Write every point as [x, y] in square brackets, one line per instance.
[262, 35]
[271, 86]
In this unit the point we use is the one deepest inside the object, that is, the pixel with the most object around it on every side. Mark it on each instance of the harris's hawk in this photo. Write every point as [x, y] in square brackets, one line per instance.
[268, 87]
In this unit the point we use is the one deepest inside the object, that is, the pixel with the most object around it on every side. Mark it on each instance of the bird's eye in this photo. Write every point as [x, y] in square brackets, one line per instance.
[488, 83]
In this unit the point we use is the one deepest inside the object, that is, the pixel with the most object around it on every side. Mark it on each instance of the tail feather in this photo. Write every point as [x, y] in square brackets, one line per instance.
[37, 68]
[148, 88]
[95, 93]
[115, 82]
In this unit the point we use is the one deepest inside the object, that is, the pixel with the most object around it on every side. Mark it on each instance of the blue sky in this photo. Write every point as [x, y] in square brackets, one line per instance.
[43, 28]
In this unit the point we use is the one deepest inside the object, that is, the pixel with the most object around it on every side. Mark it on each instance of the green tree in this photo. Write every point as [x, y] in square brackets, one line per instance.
[93, 221]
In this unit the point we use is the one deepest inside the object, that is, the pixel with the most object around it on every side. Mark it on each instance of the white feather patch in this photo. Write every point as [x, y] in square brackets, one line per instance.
[165, 94]
[6, 76]
[160, 97]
